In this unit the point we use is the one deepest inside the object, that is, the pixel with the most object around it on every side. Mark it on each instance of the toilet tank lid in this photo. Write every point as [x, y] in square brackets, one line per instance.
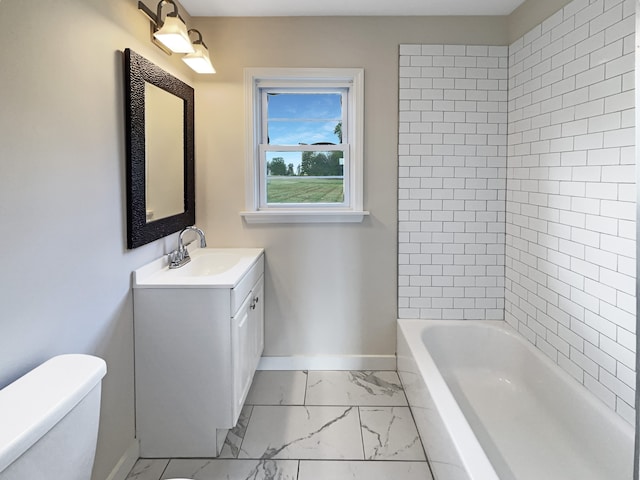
[33, 404]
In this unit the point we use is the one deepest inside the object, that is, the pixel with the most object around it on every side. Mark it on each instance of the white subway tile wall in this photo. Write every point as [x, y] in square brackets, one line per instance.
[546, 124]
[452, 155]
[570, 243]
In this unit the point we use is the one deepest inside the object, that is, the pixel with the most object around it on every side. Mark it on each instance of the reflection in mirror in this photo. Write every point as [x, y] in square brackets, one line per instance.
[164, 152]
[160, 144]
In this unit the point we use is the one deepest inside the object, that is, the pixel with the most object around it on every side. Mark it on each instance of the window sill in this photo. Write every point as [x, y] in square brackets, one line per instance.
[297, 216]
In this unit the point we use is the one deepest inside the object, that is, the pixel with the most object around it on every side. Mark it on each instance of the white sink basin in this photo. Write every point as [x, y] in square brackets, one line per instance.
[209, 267]
[206, 263]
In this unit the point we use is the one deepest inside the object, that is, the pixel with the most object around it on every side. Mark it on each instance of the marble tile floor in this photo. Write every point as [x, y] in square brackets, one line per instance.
[316, 425]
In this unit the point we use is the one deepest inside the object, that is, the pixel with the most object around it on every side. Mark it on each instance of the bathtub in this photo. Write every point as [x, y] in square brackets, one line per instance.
[489, 406]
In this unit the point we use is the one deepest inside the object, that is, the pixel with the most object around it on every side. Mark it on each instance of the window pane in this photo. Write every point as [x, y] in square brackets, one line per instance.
[303, 132]
[304, 118]
[305, 177]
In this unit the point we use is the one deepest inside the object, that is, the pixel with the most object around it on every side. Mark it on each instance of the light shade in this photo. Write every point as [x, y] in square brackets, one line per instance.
[199, 60]
[174, 36]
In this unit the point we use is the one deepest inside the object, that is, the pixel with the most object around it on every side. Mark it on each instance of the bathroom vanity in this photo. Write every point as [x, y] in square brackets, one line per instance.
[199, 335]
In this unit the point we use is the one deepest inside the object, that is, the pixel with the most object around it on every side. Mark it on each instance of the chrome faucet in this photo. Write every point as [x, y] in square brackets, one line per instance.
[180, 256]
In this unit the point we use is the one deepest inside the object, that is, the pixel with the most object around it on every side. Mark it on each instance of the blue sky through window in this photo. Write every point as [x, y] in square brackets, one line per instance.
[302, 118]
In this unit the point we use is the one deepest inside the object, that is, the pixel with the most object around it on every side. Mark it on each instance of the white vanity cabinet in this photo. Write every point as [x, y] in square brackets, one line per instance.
[247, 343]
[196, 351]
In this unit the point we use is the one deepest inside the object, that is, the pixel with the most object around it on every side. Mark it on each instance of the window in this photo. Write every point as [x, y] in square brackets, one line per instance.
[304, 145]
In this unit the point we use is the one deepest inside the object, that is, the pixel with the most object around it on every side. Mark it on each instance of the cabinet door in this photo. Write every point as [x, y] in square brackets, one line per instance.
[242, 346]
[257, 320]
[247, 343]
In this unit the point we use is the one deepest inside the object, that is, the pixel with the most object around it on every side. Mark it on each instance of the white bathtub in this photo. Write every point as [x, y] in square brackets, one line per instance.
[489, 406]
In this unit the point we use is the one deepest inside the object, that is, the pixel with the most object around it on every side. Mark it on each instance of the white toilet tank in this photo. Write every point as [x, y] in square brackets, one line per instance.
[49, 420]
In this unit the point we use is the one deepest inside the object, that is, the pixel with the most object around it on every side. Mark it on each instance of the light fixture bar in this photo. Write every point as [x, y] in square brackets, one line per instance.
[148, 12]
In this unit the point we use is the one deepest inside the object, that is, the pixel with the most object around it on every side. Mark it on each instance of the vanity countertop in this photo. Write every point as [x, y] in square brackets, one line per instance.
[208, 268]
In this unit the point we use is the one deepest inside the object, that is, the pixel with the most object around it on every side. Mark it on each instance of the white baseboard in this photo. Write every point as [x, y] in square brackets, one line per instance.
[126, 462]
[329, 362]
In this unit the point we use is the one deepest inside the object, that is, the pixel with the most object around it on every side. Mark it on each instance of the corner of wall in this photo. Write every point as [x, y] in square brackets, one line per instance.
[530, 14]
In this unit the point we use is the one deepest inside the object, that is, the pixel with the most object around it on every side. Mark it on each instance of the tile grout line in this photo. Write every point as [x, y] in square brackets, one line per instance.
[424, 450]
[306, 386]
[164, 469]
[245, 431]
[364, 454]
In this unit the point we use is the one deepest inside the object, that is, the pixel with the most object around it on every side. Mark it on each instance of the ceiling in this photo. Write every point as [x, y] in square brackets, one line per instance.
[288, 8]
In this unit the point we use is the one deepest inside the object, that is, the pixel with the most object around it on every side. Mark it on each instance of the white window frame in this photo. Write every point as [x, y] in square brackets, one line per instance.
[309, 79]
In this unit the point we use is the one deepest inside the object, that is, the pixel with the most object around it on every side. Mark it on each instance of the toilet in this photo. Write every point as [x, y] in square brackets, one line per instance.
[49, 420]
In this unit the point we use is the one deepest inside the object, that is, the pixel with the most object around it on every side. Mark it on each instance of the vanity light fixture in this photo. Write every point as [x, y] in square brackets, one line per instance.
[172, 32]
[199, 60]
[171, 35]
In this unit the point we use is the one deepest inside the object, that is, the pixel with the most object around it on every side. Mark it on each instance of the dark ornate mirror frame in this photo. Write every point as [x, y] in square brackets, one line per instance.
[139, 70]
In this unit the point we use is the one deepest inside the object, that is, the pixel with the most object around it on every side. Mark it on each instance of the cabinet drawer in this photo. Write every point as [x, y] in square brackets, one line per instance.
[240, 291]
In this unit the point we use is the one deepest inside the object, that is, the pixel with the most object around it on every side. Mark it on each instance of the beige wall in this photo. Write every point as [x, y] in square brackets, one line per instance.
[330, 289]
[65, 270]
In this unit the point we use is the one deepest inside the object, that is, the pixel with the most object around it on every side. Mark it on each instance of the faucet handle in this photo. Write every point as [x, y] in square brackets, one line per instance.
[174, 257]
[179, 258]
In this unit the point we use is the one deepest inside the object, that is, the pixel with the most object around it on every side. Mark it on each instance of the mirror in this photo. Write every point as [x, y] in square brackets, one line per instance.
[164, 149]
[160, 151]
